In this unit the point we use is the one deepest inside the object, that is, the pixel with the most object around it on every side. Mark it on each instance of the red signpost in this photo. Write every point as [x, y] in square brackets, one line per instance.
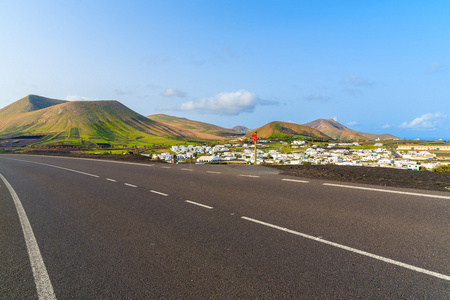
[255, 138]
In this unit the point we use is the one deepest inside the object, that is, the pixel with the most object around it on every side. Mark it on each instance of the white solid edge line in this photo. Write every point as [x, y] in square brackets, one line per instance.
[94, 159]
[199, 204]
[42, 280]
[374, 256]
[58, 167]
[159, 193]
[386, 191]
[129, 184]
[253, 176]
[295, 180]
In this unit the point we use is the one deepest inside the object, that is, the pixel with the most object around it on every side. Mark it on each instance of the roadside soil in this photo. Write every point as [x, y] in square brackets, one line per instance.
[371, 175]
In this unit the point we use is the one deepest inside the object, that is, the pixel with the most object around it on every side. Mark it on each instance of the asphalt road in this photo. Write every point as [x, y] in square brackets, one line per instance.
[110, 230]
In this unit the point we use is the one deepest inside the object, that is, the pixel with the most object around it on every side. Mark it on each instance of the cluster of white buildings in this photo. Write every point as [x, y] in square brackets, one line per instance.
[245, 153]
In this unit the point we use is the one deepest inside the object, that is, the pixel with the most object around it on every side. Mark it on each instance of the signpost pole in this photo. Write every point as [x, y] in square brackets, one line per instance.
[255, 153]
[255, 138]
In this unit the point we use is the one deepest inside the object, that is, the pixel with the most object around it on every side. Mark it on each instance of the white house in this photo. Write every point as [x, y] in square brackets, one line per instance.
[207, 159]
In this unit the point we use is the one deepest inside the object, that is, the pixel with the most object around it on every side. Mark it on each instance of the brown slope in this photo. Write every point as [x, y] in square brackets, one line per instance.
[194, 129]
[285, 129]
[28, 104]
[338, 131]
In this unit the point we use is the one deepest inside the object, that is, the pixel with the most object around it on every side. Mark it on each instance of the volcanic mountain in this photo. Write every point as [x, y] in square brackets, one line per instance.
[278, 129]
[99, 122]
[75, 121]
[27, 104]
[194, 129]
[336, 130]
[241, 129]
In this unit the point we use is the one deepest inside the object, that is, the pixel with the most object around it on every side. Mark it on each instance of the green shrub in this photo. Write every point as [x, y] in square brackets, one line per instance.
[444, 168]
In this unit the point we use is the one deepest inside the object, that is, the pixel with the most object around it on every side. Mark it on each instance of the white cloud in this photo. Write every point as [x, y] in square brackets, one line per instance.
[386, 126]
[335, 118]
[174, 93]
[425, 122]
[357, 81]
[233, 103]
[76, 98]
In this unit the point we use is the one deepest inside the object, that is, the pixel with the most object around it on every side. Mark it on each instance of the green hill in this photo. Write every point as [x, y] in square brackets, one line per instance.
[85, 122]
[27, 104]
[284, 129]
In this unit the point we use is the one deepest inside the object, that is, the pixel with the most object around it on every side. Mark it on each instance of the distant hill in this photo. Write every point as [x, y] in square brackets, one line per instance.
[241, 129]
[87, 123]
[194, 129]
[284, 129]
[27, 104]
[76, 121]
[336, 130]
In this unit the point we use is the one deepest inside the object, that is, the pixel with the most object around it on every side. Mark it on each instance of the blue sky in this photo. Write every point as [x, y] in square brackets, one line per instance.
[374, 66]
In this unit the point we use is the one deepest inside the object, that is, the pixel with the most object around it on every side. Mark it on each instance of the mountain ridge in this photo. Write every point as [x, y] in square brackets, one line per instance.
[106, 120]
[195, 129]
[27, 104]
[111, 121]
[336, 130]
[278, 129]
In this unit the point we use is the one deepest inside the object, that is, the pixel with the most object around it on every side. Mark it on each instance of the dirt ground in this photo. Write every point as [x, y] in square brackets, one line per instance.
[371, 175]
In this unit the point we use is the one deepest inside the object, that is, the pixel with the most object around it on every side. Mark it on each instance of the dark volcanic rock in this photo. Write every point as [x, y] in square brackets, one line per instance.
[371, 175]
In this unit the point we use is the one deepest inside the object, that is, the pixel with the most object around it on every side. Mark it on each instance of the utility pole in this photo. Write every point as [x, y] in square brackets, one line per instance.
[255, 138]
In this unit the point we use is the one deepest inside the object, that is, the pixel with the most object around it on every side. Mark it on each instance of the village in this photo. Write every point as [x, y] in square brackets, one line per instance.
[302, 152]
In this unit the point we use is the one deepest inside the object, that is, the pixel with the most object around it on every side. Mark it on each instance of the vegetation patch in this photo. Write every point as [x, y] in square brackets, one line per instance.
[442, 168]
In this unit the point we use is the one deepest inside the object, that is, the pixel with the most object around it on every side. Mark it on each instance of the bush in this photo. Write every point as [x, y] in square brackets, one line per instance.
[306, 162]
[444, 168]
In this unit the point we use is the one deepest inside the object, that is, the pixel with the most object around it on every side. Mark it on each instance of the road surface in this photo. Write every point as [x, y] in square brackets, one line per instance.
[103, 229]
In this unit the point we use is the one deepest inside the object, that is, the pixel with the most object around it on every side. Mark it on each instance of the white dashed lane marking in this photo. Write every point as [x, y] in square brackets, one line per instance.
[186, 169]
[112, 180]
[199, 204]
[295, 180]
[213, 172]
[130, 185]
[350, 249]
[159, 193]
[252, 176]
